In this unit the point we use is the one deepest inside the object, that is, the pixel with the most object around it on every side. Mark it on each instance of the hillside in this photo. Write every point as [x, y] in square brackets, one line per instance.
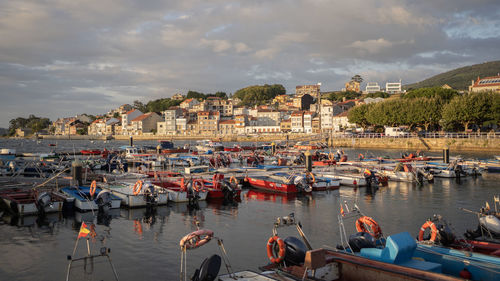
[459, 78]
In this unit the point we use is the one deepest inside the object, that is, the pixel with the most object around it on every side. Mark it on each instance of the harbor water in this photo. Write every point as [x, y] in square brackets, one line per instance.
[144, 242]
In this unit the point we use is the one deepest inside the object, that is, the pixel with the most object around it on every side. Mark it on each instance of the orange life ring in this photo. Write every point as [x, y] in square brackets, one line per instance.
[233, 179]
[270, 245]
[364, 221]
[196, 239]
[198, 185]
[137, 187]
[93, 187]
[183, 185]
[426, 225]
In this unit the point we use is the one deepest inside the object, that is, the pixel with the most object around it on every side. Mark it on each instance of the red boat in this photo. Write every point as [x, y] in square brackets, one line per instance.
[215, 187]
[162, 174]
[90, 152]
[274, 185]
[324, 163]
[483, 247]
[174, 150]
[252, 148]
[270, 196]
[233, 149]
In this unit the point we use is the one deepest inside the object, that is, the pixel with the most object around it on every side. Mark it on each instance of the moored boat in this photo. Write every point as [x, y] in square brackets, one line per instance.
[87, 198]
[30, 202]
[138, 194]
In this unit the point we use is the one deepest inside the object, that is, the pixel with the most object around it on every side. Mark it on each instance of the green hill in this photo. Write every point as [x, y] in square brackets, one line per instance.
[459, 78]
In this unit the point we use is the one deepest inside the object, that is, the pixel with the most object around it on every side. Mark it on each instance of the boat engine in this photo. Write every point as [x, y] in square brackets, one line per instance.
[150, 194]
[446, 236]
[295, 253]
[228, 191]
[208, 270]
[361, 240]
[43, 200]
[103, 200]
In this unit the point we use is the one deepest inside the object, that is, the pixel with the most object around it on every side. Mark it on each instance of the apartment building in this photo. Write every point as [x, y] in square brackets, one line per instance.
[297, 122]
[208, 122]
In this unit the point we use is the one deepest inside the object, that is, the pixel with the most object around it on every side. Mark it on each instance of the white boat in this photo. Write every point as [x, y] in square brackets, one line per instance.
[85, 202]
[348, 180]
[490, 222]
[208, 145]
[25, 203]
[177, 195]
[400, 176]
[125, 191]
[196, 169]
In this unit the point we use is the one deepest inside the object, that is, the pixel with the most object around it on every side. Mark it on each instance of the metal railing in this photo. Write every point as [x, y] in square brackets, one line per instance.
[436, 135]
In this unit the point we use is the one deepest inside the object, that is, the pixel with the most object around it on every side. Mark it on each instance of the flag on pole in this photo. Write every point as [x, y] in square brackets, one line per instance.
[342, 210]
[84, 231]
[487, 206]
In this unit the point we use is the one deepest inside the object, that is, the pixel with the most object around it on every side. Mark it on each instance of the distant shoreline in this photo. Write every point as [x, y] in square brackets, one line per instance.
[424, 144]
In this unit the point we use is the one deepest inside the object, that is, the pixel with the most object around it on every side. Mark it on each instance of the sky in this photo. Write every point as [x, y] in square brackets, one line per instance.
[60, 58]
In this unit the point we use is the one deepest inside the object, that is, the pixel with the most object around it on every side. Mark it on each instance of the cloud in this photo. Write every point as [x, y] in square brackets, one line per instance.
[62, 57]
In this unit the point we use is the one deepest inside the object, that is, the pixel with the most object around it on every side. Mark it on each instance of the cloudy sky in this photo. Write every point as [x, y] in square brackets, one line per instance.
[59, 58]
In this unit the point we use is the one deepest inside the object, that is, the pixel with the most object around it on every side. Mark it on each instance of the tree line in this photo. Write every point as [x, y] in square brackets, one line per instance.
[431, 109]
[36, 124]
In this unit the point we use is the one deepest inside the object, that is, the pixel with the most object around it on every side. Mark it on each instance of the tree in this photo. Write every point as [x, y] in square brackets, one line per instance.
[257, 95]
[195, 95]
[434, 92]
[339, 96]
[116, 115]
[357, 78]
[221, 95]
[358, 113]
[139, 106]
[33, 122]
[377, 95]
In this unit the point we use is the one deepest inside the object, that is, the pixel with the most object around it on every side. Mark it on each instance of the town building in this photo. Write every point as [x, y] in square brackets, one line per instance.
[491, 83]
[23, 132]
[181, 126]
[307, 117]
[312, 90]
[208, 122]
[178, 97]
[393, 87]
[352, 86]
[144, 124]
[372, 87]
[127, 117]
[97, 127]
[341, 122]
[227, 127]
[189, 104]
[297, 122]
[303, 102]
[169, 126]
[286, 125]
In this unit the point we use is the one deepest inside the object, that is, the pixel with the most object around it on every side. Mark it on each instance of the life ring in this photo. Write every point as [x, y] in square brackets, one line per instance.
[364, 221]
[426, 225]
[198, 185]
[137, 187]
[183, 185]
[196, 239]
[233, 179]
[331, 157]
[270, 246]
[93, 187]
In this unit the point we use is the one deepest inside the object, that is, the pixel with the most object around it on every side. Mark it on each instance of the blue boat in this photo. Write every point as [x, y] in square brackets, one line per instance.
[85, 202]
[402, 249]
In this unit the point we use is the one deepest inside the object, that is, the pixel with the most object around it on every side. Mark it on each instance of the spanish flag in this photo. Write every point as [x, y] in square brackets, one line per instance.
[342, 210]
[84, 231]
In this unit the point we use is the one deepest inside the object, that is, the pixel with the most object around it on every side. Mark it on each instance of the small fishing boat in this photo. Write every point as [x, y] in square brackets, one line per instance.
[87, 199]
[90, 152]
[235, 148]
[180, 192]
[30, 202]
[219, 188]
[138, 194]
[272, 184]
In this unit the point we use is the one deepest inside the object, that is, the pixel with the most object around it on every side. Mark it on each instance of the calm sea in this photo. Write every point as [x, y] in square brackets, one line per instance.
[145, 243]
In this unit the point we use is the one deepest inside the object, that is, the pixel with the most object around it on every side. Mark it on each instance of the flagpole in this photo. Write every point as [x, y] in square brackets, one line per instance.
[74, 251]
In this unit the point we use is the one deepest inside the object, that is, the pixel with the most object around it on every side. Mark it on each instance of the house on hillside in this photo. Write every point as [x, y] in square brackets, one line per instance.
[491, 83]
[146, 123]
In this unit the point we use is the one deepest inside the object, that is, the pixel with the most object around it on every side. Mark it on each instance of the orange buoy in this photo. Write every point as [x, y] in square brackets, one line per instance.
[282, 250]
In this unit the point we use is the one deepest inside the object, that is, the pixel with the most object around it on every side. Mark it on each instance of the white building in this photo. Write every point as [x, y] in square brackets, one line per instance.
[393, 87]
[341, 121]
[372, 87]
[127, 119]
[297, 122]
[308, 116]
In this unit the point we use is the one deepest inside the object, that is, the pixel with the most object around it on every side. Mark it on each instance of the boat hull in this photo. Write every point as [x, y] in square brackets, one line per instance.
[268, 185]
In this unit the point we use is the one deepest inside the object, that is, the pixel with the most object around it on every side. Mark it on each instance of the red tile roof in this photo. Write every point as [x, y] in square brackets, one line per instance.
[228, 122]
[142, 117]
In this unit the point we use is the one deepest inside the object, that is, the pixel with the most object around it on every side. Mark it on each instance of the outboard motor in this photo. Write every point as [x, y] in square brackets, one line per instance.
[150, 194]
[361, 240]
[446, 236]
[295, 253]
[228, 191]
[301, 183]
[208, 270]
[103, 200]
[43, 201]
